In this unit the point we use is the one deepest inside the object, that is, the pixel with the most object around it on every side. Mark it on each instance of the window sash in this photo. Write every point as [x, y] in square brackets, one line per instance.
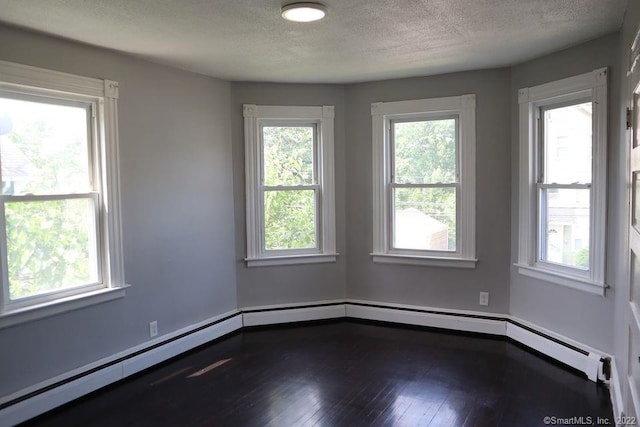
[392, 185]
[541, 186]
[315, 187]
[541, 232]
[290, 124]
[422, 118]
[542, 154]
[54, 294]
[392, 220]
[316, 223]
[90, 105]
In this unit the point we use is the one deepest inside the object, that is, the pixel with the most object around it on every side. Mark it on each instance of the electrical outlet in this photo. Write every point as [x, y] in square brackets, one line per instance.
[153, 329]
[484, 298]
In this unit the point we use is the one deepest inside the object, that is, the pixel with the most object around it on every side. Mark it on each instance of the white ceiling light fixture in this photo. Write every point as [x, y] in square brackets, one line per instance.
[304, 12]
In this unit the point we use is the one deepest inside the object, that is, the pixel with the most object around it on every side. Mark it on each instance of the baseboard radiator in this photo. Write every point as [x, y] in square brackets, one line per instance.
[42, 397]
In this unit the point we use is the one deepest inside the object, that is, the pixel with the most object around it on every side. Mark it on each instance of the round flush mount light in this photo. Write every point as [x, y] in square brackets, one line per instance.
[304, 12]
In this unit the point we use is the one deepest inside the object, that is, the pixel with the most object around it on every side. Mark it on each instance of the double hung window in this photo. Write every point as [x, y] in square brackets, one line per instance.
[424, 181]
[563, 181]
[289, 178]
[59, 221]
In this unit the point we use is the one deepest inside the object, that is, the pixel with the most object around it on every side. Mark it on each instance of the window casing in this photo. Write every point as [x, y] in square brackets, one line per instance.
[60, 238]
[424, 182]
[289, 185]
[562, 208]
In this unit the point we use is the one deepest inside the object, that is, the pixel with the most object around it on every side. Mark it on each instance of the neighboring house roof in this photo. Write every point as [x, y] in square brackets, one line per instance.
[417, 230]
[413, 218]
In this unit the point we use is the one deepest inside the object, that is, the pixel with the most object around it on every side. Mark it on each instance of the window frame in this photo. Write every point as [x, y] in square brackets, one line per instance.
[591, 86]
[256, 117]
[384, 114]
[101, 96]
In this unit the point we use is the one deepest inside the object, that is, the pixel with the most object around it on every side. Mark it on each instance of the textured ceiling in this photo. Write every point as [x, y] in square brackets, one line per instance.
[359, 40]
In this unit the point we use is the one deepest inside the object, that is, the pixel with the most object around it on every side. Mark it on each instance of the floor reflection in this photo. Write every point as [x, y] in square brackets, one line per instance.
[418, 402]
[295, 402]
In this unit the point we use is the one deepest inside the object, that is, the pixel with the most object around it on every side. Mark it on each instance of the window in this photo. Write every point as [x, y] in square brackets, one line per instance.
[289, 185]
[563, 181]
[424, 181]
[59, 216]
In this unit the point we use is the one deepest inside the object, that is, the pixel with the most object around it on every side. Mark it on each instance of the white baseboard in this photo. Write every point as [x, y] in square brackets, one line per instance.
[58, 396]
[588, 363]
[115, 368]
[556, 346]
[457, 322]
[64, 388]
[287, 313]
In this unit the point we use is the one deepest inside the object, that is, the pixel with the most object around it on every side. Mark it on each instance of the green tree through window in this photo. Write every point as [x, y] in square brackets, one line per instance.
[51, 243]
[290, 212]
[425, 153]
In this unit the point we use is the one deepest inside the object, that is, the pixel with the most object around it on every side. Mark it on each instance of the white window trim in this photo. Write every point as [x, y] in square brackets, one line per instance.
[382, 115]
[593, 85]
[323, 117]
[104, 93]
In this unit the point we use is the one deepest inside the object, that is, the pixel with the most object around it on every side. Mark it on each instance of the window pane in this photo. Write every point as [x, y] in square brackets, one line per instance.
[288, 155]
[425, 218]
[567, 144]
[289, 219]
[46, 150]
[425, 151]
[51, 245]
[565, 226]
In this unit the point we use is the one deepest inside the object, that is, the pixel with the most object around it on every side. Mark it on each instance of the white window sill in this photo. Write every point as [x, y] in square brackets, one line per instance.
[424, 260]
[62, 305]
[291, 260]
[573, 282]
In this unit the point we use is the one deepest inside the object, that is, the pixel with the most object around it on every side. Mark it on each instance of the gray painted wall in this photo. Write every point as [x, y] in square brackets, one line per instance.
[177, 211]
[434, 286]
[575, 314]
[298, 283]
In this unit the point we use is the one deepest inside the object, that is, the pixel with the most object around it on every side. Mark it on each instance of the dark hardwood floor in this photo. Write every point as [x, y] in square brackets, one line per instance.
[344, 373]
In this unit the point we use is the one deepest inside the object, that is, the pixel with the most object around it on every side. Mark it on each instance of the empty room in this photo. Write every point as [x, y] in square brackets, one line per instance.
[332, 213]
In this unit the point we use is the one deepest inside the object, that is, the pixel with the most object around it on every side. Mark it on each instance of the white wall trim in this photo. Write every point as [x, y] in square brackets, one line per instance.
[291, 260]
[433, 320]
[29, 76]
[62, 305]
[290, 305]
[615, 391]
[113, 372]
[582, 284]
[287, 313]
[424, 260]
